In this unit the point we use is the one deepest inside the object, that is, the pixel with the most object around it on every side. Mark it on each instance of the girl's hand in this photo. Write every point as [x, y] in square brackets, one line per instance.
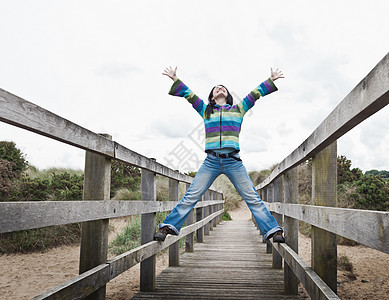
[274, 75]
[170, 72]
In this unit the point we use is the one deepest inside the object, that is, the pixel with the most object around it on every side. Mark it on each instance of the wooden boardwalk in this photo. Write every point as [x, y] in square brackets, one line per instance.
[231, 264]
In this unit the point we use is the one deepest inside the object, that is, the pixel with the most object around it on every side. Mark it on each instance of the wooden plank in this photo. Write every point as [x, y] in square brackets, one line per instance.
[370, 228]
[128, 259]
[314, 285]
[368, 97]
[94, 234]
[189, 239]
[324, 252]
[277, 194]
[174, 250]
[24, 114]
[16, 216]
[80, 286]
[148, 224]
[137, 160]
[291, 228]
[19, 112]
[84, 284]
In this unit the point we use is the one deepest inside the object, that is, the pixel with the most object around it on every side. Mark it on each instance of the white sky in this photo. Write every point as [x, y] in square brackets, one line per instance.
[99, 65]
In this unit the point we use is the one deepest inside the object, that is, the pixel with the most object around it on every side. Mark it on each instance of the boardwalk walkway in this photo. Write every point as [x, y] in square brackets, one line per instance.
[231, 264]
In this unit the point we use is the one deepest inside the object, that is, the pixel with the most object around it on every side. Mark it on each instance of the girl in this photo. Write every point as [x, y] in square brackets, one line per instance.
[222, 122]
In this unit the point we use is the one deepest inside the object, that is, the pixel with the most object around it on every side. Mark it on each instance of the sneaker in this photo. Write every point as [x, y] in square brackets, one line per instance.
[161, 234]
[278, 238]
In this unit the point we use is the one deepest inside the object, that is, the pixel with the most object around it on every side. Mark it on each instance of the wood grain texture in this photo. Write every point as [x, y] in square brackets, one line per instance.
[368, 97]
[86, 283]
[16, 216]
[315, 286]
[323, 243]
[231, 263]
[370, 228]
[80, 286]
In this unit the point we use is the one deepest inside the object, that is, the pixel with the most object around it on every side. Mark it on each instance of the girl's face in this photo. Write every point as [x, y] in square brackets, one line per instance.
[219, 92]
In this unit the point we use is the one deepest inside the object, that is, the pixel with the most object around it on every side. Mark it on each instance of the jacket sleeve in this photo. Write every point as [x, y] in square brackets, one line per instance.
[181, 90]
[265, 88]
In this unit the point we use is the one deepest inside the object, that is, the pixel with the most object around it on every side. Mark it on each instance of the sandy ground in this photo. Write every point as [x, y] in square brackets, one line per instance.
[25, 275]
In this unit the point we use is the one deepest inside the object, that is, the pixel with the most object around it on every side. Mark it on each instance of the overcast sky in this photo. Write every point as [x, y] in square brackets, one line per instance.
[99, 64]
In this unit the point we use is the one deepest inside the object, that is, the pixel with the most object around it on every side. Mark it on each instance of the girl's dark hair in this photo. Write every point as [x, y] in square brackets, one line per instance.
[212, 103]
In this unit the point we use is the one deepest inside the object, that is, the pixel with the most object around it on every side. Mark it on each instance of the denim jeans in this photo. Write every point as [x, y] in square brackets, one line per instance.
[211, 168]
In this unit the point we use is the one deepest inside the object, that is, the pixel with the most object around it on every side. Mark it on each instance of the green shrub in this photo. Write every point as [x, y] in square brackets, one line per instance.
[130, 237]
[9, 152]
[7, 176]
[373, 193]
[27, 189]
[124, 176]
[226, 216]
[66, 187]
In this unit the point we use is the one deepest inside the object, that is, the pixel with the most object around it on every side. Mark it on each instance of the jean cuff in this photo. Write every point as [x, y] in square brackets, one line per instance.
[272, 231]
[170, 226]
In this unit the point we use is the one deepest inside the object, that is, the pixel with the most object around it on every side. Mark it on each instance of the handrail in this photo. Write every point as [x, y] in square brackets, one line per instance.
[94, 214]
[367, 98]
[21, 113]
[16, 216]
[102, 274]
[367, 227]
[280, 193]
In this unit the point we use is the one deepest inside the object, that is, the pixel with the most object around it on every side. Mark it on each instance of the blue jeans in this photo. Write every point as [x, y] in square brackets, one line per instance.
[211, 168]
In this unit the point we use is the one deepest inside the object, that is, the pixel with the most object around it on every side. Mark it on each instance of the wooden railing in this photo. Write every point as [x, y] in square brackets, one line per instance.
[280, 191]
[96, 208]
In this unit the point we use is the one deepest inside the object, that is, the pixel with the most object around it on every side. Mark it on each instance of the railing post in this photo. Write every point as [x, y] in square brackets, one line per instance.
[189, 239]
[174, 249]
[324, 185]
[269, 198]
[219, 206]
[212, 210]
[94, 234]
[291, 229]
[206, 213]
[200, 216]
[264, 198]
[277, 195]
[148, 225]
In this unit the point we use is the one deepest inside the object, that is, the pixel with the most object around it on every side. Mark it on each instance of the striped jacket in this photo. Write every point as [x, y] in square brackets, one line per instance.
[223, 127]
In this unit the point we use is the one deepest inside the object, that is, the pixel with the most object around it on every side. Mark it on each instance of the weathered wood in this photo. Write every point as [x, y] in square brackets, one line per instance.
[16, 216]
[370, 228]
[21, 113]
[129, 259]
[230, 264]
[368, 97]
[200, 216]
[80, 286]
[148, 224]
[323, 243]
[133, 158]
[206, 212]
[315, 286]
[174, 250]
[269, 197]
[277, 194]
[291, 229]
[94, 234]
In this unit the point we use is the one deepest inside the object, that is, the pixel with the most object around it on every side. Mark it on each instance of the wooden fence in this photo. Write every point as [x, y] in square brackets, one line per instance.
[96, 209]
[280, 191]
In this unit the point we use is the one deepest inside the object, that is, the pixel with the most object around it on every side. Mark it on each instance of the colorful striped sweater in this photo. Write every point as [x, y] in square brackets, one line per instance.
[223, 127]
